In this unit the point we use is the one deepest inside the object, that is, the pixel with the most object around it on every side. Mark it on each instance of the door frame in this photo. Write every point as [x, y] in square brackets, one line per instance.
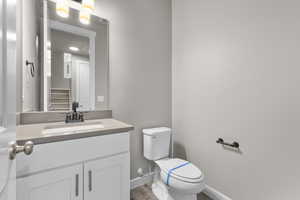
[8, 104]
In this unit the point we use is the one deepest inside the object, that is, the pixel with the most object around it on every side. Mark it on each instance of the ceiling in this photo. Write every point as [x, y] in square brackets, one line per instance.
[61, 41]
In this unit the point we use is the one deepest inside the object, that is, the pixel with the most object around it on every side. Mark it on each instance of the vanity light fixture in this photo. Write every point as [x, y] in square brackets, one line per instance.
[63, 8]
[87, 8]
[74, 48]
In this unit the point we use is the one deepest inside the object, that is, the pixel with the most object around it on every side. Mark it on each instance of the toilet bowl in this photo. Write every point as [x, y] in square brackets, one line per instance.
[176, 179]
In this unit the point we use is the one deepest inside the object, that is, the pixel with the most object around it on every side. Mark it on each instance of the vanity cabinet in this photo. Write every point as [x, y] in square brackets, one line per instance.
[83, 169]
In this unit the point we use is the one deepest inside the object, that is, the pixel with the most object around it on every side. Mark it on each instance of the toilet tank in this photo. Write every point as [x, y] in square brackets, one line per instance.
[157, 143]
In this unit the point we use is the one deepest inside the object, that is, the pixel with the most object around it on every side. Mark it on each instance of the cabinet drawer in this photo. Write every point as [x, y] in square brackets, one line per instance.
[54, 155]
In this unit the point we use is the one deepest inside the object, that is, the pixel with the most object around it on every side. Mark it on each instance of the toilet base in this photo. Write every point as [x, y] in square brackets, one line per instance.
[162, 192]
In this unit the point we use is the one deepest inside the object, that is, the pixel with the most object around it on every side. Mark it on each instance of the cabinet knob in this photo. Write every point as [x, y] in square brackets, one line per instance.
[14, 149]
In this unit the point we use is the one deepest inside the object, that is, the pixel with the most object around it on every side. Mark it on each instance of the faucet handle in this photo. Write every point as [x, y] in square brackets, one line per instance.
[81, 117]
[68, 117]
[75, 105]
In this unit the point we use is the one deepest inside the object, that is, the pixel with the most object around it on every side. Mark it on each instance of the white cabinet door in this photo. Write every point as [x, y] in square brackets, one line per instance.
[107, 178]
[61, 184]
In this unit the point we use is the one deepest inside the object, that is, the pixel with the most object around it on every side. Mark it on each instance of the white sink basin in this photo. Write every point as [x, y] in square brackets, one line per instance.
[65, 129]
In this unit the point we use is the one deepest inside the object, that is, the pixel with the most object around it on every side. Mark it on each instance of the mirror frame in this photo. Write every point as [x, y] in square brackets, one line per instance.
[44, 5]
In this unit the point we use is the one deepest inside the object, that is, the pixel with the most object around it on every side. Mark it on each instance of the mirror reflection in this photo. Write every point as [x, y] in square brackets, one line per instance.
[69, 62]
[70, 70]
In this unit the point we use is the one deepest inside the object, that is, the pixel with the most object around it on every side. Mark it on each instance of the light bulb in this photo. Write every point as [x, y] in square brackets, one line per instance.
[84, 16]
[62, 8]
[89, 5]
[72, 48]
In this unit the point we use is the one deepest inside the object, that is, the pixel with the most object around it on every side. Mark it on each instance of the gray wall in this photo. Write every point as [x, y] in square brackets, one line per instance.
[28, 87]
[236, 75]
[19, 60]
[140, 66]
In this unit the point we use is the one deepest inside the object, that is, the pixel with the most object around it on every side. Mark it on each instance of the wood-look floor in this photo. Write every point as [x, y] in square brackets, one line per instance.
[145, 193]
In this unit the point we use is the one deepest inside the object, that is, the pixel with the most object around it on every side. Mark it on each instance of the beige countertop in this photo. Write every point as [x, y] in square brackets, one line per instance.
[34, 132]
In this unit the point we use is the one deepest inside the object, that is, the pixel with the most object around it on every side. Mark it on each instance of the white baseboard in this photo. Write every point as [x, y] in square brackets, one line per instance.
[148, 179]
[214, 194]
[140, 181]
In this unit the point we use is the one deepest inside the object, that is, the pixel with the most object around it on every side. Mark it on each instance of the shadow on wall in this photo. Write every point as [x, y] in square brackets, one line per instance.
[179, 151]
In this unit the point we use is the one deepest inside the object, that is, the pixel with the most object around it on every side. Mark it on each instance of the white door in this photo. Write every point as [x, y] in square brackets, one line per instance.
[7, 97]
[83, 85]
[107, 178]
[59, 184]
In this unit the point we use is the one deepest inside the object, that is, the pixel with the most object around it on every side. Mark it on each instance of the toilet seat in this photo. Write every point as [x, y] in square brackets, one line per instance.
[179, 169]
[187, 179]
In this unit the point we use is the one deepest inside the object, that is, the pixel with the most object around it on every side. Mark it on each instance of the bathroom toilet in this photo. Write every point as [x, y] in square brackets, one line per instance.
[177, 179]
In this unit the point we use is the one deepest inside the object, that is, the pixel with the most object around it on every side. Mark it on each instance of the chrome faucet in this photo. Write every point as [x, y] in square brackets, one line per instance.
[74, 116]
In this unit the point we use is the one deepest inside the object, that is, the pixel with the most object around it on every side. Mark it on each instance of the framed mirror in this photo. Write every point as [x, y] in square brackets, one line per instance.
[63, 59]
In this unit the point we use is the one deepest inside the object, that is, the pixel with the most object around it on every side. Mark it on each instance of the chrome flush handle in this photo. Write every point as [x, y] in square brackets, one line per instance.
[14, 149]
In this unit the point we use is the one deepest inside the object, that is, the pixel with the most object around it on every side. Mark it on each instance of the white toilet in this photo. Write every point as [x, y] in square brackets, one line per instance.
[178, 179]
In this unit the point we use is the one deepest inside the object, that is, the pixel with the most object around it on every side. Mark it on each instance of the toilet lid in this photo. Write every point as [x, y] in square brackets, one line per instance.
[187, 171]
